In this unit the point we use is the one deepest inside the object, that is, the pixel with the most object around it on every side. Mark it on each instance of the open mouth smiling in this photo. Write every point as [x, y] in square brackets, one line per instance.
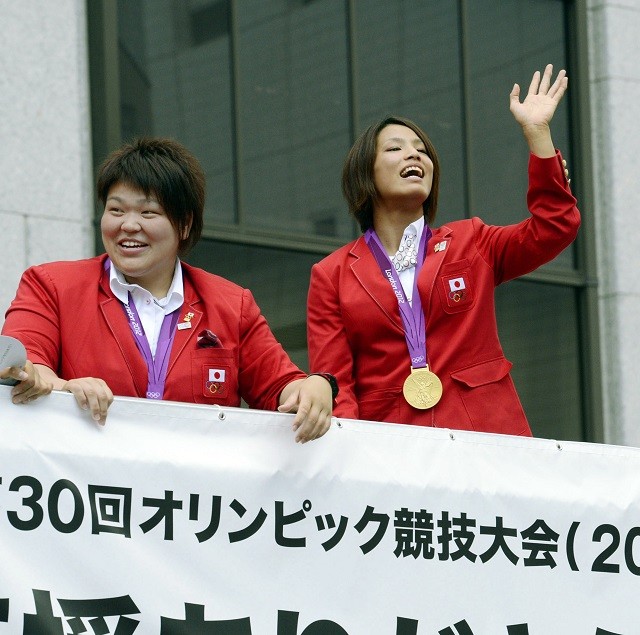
[131, 244]
[412, 170]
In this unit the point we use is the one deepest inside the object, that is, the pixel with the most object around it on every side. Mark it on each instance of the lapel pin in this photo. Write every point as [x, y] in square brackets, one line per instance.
[186, 321]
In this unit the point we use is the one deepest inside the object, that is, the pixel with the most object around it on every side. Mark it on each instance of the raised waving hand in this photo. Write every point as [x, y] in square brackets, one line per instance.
[535, 112]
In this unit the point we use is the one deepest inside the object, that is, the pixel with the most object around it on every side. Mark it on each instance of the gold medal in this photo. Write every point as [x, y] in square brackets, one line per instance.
[422, 389]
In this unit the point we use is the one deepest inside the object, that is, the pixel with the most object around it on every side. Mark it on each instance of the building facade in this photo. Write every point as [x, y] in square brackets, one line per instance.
[270, 95]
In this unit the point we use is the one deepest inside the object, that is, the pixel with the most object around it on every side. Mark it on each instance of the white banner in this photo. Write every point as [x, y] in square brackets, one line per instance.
[179, 519]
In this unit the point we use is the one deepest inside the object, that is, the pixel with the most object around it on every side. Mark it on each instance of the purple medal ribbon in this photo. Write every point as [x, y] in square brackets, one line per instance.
[157, 367]
[412, 314]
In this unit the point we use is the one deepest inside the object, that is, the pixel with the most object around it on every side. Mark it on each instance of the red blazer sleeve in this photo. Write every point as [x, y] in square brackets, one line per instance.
[34, 317]
[264, 368]
[515, 250]
[329, 348]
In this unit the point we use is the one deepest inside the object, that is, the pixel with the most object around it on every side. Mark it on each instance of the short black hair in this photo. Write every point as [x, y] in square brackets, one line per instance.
[165, 168]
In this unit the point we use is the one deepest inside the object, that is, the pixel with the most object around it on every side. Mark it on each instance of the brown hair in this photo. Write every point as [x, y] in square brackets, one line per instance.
[166, 169]
[358, 184]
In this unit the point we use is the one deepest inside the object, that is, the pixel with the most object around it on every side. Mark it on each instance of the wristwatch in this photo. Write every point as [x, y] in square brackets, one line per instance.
[333, 382]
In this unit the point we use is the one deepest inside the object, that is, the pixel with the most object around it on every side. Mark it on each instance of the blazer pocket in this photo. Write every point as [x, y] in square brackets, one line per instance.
[380, 405]
[488, 393]
[214, 376]
[456, 287]
[483, 373]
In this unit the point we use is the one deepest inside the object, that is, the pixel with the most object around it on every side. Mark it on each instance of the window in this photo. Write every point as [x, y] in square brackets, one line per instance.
[270, 95]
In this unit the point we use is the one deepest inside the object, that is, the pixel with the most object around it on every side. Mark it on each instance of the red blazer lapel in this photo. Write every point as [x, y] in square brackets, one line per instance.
[116, 320]
[437, 249]
[189, 314]
[367, 272]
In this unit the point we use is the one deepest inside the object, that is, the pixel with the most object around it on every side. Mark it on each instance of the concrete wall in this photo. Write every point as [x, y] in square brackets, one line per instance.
[45, 144]
[614, 50]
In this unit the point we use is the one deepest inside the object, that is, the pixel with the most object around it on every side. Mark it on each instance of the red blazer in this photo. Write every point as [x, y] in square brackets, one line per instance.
[69, 320]
[355, 330]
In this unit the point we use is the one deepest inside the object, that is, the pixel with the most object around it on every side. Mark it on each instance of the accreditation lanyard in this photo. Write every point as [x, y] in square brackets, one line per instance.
[156, 366]
[412, 315]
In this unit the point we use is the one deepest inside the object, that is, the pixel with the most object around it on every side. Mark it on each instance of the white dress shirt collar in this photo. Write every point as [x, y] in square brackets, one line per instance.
[121, 289]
